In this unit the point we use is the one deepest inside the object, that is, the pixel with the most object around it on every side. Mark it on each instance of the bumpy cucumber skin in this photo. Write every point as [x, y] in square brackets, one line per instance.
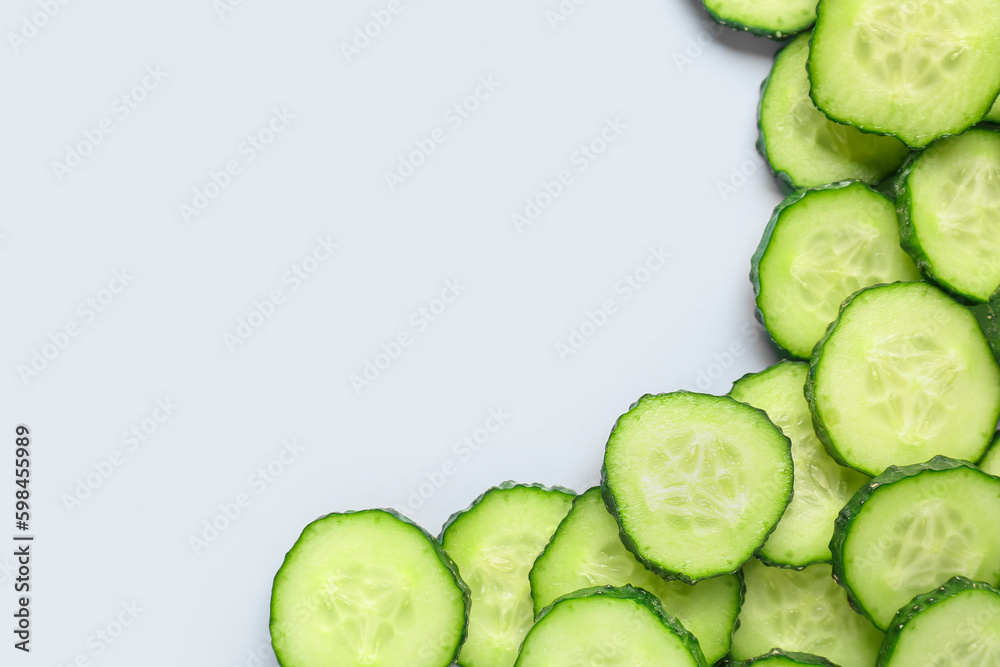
[908, 234]
[993, 323]
[798, 658]
[504, 486]
[642, 597]
[612, 504]
[765, 241]
[438, 550]
[921, 603]
[845, 520]
[976, 118]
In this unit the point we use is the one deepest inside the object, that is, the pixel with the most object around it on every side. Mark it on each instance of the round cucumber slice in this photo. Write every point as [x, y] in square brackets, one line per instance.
[779, 658]
[821, 486]
[904, 374]
[991, 462]
[956, 625]
[911, 529]
[367, 588]
[805, 148]
[821, 246]
[494, 544]
[612, 627]
[802, 610]
[949, 213]
[915, 69]
[586, 551]
[696, 482]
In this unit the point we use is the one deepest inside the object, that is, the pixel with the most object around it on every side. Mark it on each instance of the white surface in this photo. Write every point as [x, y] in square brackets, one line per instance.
[689, 124]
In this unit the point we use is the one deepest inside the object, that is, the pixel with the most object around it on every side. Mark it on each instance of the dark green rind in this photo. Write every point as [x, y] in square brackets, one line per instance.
[639, 596]
[908, 238]
[977, 118]
[798, 658]
[845, 520]
[993, 323]
[612, 504]
[765, 241]
[757, 31]
[503, 486]
[921, 603]
[438, 550]
[784, 179]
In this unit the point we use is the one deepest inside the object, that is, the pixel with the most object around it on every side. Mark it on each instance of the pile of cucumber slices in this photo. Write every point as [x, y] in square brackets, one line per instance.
[840, 508]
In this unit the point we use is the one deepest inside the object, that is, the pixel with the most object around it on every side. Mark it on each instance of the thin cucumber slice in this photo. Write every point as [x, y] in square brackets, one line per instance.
[949, 213]
[494, 543]
[805, 148]
[367, 588]
[767, 19]
[696, 482]
[821, 486]
[779, 658]
[802, 610]
[991, 462]
[820, 247]
[610, 627]
[586, 550]
[956, 625]
[904, 374]
[911, 529]
[916, 69]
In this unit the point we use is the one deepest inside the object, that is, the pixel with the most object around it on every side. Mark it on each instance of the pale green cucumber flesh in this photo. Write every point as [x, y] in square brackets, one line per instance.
[802, 610]
[805, 148]
[586, 550]
[696, 482]
[916, 69]
[821, 486]
[903, 375]
[912, 529]
[820, 247]
[769, 18]
[494, 544]
[611, 627]
[367, 588]
[990, 463]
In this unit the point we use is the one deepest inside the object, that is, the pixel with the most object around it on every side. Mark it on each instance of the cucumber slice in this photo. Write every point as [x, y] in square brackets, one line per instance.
[821, 486]
[915, 69]
[367, 588]
[956, 625]
[949, 213]
[911, 529]
[586, 550]
[820, 247]
[766, 19]
[696, 482]
[805, 148]
[904, 374]
[802, 610]
[992, 327]
[994, 115]
[991, 462]
[779, 658]
[494, 543]
[610, 627]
